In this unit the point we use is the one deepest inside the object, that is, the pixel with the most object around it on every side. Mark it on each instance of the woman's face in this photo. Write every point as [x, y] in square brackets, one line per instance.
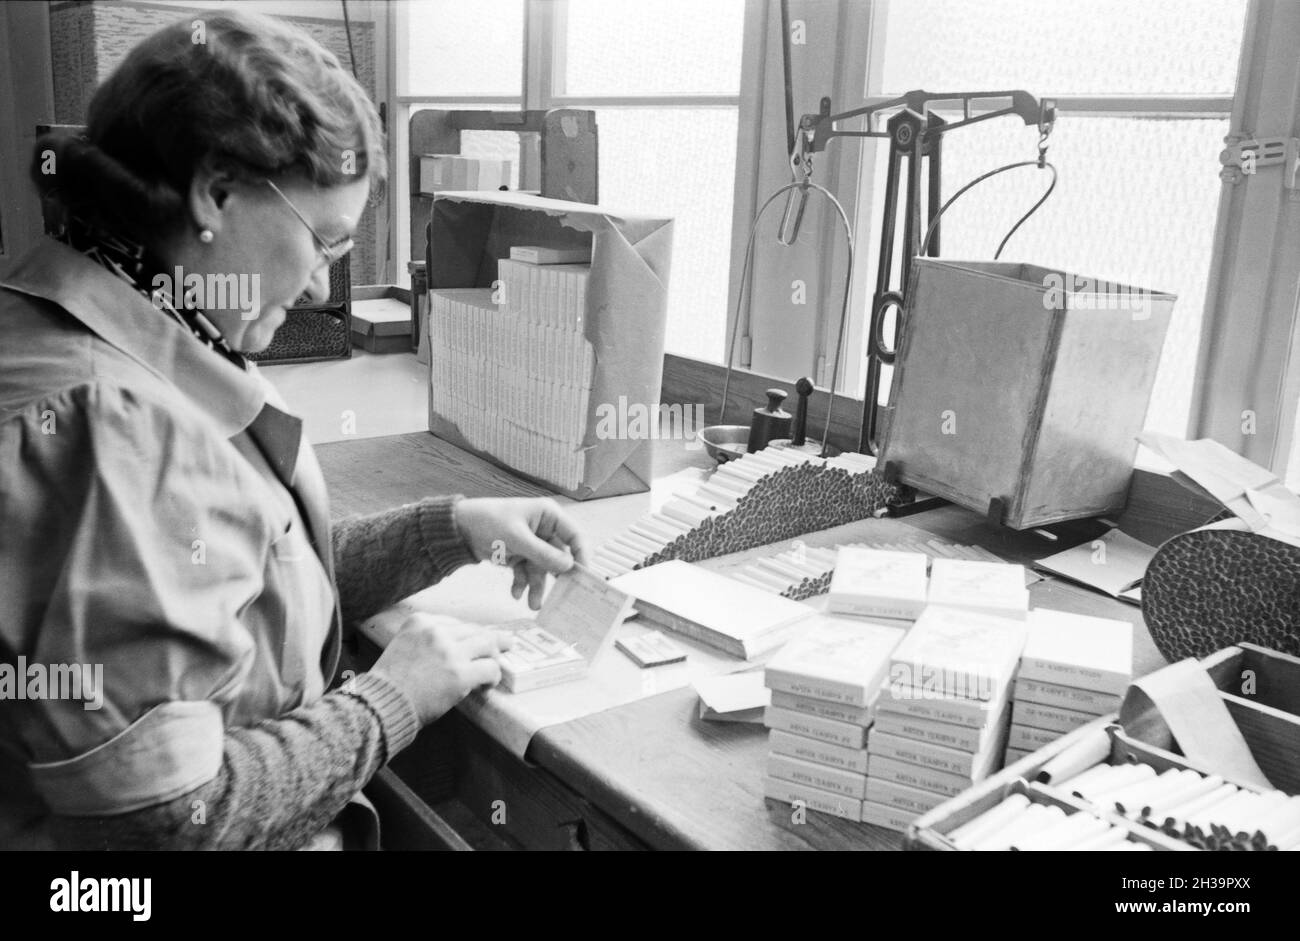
[262, 256]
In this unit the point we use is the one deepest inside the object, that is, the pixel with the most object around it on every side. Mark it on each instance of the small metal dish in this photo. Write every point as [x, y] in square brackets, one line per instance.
[725, 442]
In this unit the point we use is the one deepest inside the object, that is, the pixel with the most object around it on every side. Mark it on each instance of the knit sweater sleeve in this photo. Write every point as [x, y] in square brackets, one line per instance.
[281, 781]
[382, 558]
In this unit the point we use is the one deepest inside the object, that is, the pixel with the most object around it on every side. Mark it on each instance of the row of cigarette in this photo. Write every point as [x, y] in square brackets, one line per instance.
[1177, 801]
[722, 492]
[805, 571]
[1178, 798]
[467, 322]
[553, 295]
[1019, 823]
[476, 391]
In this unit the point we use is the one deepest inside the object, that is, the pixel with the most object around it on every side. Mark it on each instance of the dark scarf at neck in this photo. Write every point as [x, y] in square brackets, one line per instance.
[134, 264]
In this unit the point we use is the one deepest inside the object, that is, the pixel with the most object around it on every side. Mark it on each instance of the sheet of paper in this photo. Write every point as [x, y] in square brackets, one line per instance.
[1114, 563]
[651, 650]
[1281, 515]
[582, 609]
[1197, 717]
[732, 693]
[1229, 478]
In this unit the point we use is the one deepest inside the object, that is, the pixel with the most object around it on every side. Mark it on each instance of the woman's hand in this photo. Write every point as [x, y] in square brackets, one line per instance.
[437, 661]
[533, 536]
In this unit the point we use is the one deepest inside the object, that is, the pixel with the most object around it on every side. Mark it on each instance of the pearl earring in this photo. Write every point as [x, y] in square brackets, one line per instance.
[206, 236]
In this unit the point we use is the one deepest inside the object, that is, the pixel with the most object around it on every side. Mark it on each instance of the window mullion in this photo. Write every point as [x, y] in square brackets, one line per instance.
[1246, 386]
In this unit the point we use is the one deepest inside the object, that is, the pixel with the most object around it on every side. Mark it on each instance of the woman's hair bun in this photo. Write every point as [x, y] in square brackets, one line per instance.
[78, 177]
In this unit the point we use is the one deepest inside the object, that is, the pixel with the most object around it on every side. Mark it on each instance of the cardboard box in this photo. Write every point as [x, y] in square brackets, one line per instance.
[627, 295]
[381, 318]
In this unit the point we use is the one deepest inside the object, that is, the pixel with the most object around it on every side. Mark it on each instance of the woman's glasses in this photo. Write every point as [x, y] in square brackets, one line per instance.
[330, 252]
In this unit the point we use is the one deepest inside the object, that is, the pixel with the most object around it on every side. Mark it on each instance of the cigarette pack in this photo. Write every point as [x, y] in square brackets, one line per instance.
[878, 583]
[818, 752]
[962, 653]
[837, 659]
[956, 761]
[538, 659]
[921, 704]
[1066, 697]
[996, 588]
[1078, 651]
[1052, 718]
[925, 779]
[960, 737]
[711, 608]
[900, 796]
[836, 780]
[826, 730]
[651, 650]
[854, 715]
[543, 255]
[813, 798]
[891, 818]
[1026, 738]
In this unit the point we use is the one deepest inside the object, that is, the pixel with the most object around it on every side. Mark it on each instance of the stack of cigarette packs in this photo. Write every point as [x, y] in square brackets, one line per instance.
[1074, 668]
[442, 172]
[516, 376]
[941, 720]
[823, 685]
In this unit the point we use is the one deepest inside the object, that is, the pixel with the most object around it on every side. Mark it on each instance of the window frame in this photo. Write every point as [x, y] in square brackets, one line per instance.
[1210, 107]
[542, 89]
[1222, 380]
[849, 172]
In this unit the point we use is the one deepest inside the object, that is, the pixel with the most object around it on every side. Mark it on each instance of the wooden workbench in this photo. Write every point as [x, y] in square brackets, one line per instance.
[649, 774]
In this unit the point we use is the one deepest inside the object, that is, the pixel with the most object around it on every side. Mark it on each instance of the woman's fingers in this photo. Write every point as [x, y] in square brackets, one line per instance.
[551, 558]
[485, 643]
[484, 671]
[521, 579]
[566, 531]
[536, 586]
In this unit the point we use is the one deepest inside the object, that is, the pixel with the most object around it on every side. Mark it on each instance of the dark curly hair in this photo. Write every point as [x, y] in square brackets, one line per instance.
[253, 94]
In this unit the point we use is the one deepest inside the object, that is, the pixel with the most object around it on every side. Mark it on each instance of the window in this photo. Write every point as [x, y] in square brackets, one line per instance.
[663, 77]
[1145, 92]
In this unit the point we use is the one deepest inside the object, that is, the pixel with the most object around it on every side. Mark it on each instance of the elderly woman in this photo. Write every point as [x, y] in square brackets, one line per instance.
[161, 515]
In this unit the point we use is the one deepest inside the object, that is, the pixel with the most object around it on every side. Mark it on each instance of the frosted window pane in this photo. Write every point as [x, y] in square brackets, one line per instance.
[1143, 222]
[1081, 47]
[459, 48]
[653, 47]
[640, 171]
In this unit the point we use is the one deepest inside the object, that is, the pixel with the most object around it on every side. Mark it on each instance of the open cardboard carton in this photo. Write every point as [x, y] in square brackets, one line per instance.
[626, 309]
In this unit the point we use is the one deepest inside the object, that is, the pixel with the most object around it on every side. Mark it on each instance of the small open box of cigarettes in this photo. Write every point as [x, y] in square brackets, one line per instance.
[1119, 783]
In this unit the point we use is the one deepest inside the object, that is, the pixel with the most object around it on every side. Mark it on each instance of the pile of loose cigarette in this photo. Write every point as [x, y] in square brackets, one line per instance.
[1020, 824]
[756, 500]
[1202, 810]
